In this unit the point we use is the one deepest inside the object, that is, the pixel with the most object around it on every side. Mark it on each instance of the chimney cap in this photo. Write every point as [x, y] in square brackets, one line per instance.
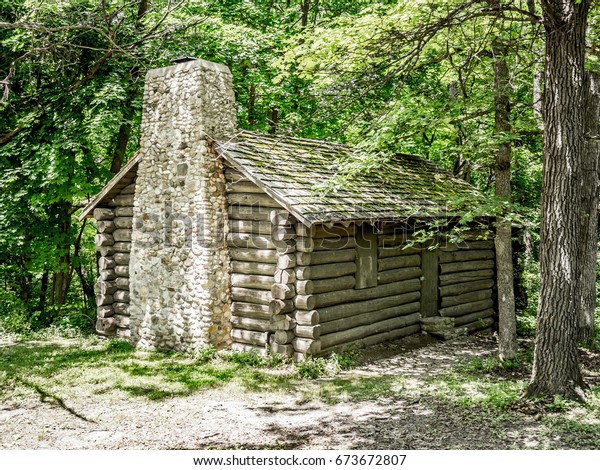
[182, 59]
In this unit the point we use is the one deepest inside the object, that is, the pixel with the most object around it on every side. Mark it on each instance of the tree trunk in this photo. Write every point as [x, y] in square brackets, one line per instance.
[589, 208]
[507, 345]
[556, 366]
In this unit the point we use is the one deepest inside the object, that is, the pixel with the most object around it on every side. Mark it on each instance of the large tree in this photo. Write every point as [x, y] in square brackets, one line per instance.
[556, 368]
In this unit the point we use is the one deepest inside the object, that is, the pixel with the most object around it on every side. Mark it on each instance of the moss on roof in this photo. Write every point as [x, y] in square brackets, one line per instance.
[310, 178]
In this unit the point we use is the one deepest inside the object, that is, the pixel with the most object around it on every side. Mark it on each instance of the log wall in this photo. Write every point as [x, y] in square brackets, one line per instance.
[113, 243]
[332, 311]
[466, 284]
[262, 281]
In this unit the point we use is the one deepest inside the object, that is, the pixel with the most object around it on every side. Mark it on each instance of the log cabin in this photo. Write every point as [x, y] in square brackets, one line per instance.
[212, 235]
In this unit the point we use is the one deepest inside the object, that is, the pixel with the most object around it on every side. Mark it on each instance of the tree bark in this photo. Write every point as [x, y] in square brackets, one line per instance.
[556, 366]
[507, 328]
[589, 207]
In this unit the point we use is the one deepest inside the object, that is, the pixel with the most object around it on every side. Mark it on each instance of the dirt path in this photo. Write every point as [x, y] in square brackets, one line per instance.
[342, 412]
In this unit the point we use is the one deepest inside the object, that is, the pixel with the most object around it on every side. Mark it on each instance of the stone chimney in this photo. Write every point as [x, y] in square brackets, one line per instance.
[179, 281]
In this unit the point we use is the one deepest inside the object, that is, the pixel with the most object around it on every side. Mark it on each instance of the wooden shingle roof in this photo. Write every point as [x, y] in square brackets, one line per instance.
[295, 172]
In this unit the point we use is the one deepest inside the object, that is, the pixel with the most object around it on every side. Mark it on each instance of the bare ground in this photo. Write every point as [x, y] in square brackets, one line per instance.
[331, 413]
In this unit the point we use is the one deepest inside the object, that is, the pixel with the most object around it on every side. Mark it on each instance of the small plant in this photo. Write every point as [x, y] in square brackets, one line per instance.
[118, 345]
[312, 368]
[205, 354]
[252, 358]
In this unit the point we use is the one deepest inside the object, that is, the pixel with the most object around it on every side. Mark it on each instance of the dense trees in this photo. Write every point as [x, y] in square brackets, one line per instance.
[457, 81]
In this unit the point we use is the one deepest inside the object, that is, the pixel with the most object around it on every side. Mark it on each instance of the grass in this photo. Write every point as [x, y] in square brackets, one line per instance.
[71, 370]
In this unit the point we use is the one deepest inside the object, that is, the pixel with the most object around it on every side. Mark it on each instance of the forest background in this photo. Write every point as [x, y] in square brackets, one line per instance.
[412, 77]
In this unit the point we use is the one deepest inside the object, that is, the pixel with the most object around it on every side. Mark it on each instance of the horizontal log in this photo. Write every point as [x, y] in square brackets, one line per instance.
[249, 240]
[231, 174]
[278, 306]
[106, 287]
[241, 294]
[105, 311]
[281, 217]
[282, 233]
[243, 187]
[252, 199]
[250, 226]
[286, 260]
[325, 285]
[252, 281]
[471, 317]
[106, 262]
[122, 259]
[105, 250]
[103, 299]
[283, 291]
[304, 244]
[325, 257]
[248, 267]
[341, 311]
[122, 283]
[412, 309]
[306, 317]
[325, 271]
[464, 287]
[108, 274]
[399, 262]
[129, 189]
[122, 271]
[283, 349]
[306, 345]
[322, 231]
[332, 244]
[106, 326]
[122, 321]
[468, 245]
[250, 310]
[249, 348]
[122, 235]
[304, 331]
[363, 331]
[400, 274]
[104, 239]
[400, 250]
[250, 337]
[326, 299]
[121, 296]
[121, 200]
[103, 213]
[283, 336]
[105, 226]
[121, 308]
[123, 222]
[285, 276]
[282, 322]
[253, 324]
[465, 276]
[463, 309]
[479, 324]
[467, 297]
[285, 246]
[465, 255]
[249, 254]
[126, 211]
[255, 213]
[394, 239]
[391, 335]
[446, 268]
[123, 333]
[122, 247]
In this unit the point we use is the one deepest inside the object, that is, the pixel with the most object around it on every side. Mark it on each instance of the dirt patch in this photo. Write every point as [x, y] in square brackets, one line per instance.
[384, 403]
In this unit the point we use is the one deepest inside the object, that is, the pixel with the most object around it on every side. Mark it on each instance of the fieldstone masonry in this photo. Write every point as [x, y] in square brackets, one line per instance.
[179, 284]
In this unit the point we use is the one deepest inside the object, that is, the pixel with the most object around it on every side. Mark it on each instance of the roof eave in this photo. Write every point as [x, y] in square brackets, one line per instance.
[106, 191]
